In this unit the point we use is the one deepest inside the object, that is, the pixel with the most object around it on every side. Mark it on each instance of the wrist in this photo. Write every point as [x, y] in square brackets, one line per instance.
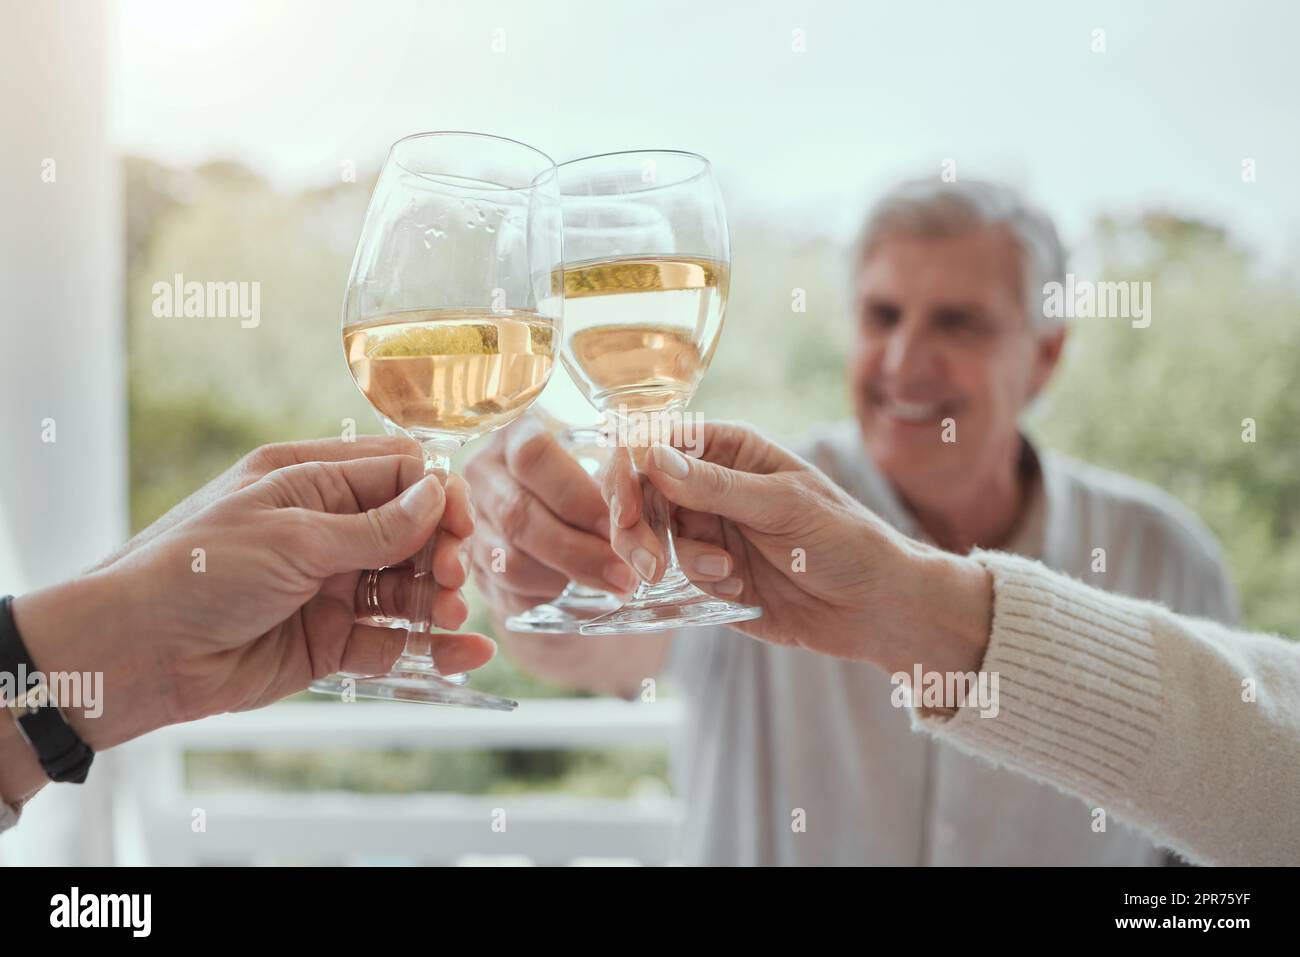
[944, 614]
[967, 614]
[86, 628]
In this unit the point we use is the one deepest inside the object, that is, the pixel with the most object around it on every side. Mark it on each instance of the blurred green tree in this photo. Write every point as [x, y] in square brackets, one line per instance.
[1169, 403]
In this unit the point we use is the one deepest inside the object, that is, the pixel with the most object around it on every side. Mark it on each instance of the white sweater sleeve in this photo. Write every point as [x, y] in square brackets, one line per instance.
[1184, 728]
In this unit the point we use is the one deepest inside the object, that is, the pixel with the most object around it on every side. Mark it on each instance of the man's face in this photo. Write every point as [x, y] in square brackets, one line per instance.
[943, 334]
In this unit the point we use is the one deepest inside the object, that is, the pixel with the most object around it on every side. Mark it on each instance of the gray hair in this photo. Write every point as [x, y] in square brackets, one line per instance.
[934, 208]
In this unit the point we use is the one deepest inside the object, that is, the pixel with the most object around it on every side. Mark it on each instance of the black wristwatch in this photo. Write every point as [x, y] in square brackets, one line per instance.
[62, 753]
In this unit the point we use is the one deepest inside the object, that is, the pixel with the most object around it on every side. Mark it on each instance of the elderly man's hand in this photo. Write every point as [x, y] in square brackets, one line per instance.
[543, 522]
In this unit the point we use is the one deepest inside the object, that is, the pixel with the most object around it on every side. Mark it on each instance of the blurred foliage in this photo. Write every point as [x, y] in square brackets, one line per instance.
[624, 773]
[1165, 403]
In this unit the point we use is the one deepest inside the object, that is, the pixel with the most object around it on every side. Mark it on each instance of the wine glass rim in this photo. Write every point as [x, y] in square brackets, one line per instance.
[705, 166]
[550, 172]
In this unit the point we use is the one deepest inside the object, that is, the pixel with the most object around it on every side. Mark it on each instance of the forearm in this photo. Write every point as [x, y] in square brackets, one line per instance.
[1187, 730]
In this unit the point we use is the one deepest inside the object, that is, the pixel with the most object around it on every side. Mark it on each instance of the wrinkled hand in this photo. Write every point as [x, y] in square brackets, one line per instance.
[829, 575]
[259, 463]
[543, 522]
[276, 596]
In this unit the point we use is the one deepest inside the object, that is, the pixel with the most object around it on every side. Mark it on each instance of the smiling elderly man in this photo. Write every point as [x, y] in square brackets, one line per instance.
[794, 758]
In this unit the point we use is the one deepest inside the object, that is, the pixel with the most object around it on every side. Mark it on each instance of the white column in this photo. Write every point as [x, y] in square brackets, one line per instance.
[62, 352]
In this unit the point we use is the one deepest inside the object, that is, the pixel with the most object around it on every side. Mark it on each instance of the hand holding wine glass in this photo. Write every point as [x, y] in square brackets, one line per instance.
[543, 524]
[578, 432]
[832, 577]
[647, 265]
[450, 327]
[285, 536]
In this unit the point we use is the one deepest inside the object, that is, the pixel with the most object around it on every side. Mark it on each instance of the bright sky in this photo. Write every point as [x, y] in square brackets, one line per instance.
[1182, 94]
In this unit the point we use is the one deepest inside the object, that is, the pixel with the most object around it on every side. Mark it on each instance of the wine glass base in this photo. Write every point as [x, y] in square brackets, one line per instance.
[419, 687]
[684, 608]
[562, 616]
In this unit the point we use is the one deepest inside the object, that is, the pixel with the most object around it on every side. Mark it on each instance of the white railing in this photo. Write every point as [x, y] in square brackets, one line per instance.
[155, 815]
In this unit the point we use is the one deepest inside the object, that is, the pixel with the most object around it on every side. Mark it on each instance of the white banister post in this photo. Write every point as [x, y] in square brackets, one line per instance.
[63, 480]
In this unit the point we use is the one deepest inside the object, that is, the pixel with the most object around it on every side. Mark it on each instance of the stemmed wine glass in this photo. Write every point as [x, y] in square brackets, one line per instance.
[647, 265]
[451, 323]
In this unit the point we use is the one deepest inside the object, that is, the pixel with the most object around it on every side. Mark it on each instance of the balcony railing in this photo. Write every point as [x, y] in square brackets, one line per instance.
[156, 818]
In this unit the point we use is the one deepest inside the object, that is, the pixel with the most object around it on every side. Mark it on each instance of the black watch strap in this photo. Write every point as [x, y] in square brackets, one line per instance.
[62, 753]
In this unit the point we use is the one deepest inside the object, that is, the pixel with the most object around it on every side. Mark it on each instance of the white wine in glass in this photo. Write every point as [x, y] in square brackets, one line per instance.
[639, 328]
[647, 269]
[451, 370]
[451, 326]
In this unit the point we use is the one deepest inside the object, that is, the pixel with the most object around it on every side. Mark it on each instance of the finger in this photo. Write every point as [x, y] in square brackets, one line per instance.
[380, 536]
[705, 487]
[459, 517]
[450, 609]
[702, 561]
[268, 458]
[450, 556]
[731, 587]
[395, 592]
[464, 652]
[496, 563]
[341, 488]
[523, 542]
[740, 447]
[257, 464]
[621, 489]
[698, 525]
[640, 548]
[529, 526]
[371, 650]
[392, 593]
[537, 461]
[450, 560]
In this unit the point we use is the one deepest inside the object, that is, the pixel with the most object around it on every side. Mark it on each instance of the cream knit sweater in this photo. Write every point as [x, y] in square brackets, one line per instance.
[1187, 730]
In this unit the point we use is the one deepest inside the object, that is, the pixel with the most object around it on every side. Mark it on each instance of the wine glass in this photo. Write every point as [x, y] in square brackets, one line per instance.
[451, 323]
[580, 431]
[647, 266]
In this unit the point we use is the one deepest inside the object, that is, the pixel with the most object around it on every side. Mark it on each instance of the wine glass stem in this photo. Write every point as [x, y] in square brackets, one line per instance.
[418, 653]
[657, 512]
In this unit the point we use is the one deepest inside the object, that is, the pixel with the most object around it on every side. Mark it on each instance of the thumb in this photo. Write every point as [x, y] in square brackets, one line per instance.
[385, 535]
[701, 486]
